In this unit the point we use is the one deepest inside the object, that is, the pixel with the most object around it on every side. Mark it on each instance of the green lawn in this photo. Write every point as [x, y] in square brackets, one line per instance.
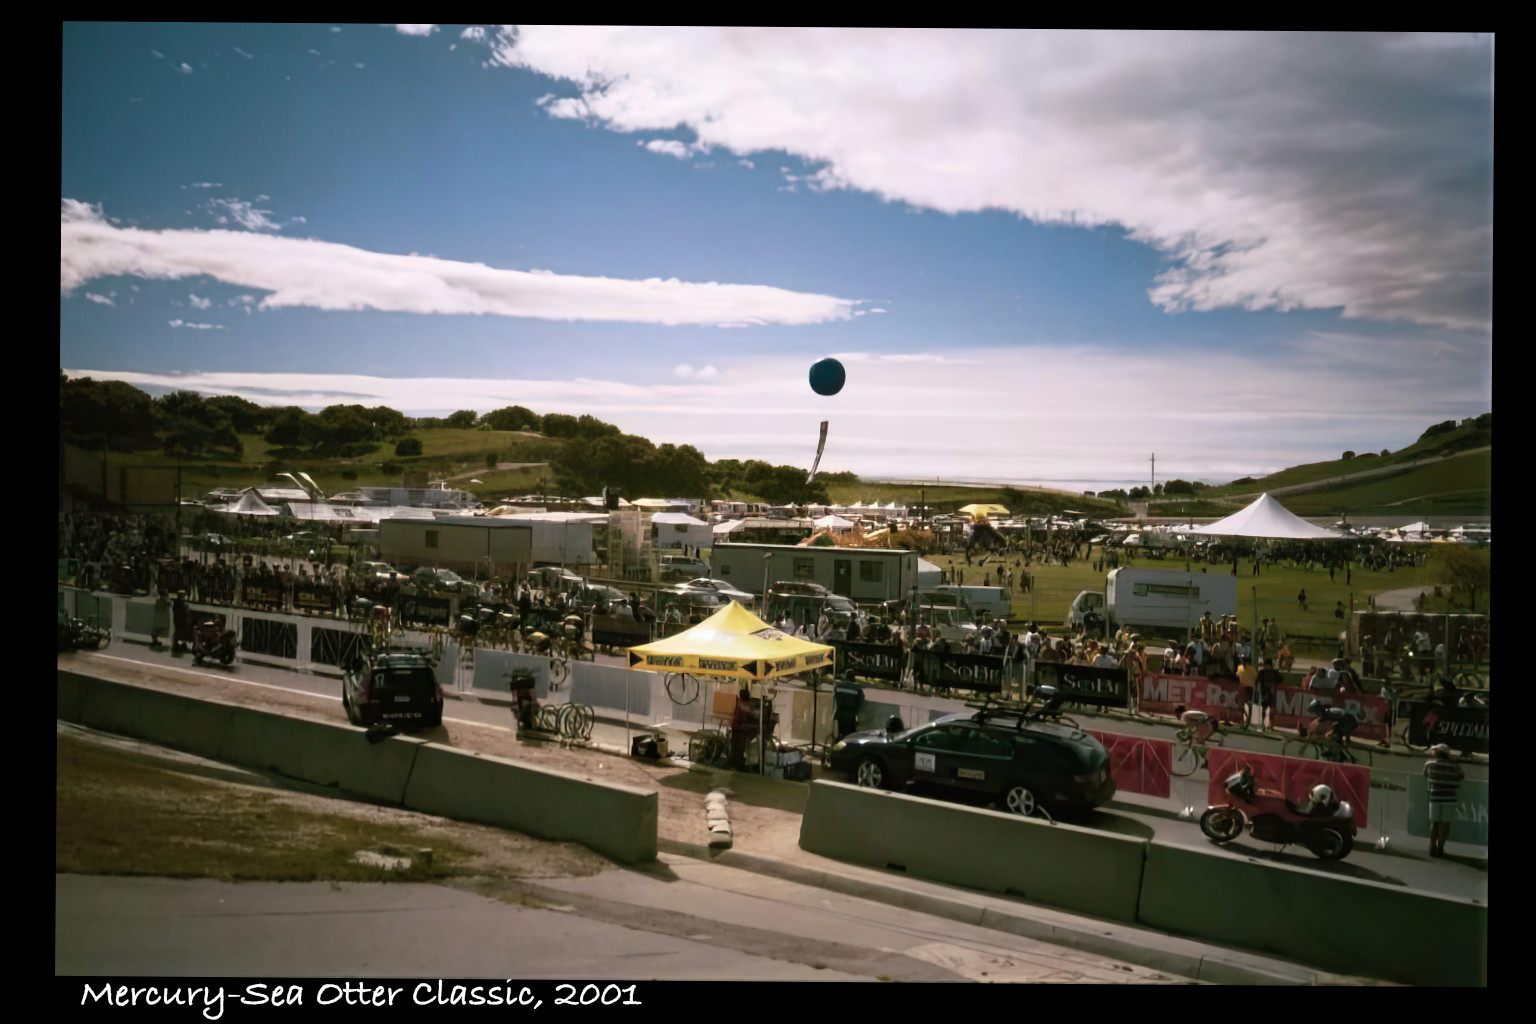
[1461, 485]
[1270, 595]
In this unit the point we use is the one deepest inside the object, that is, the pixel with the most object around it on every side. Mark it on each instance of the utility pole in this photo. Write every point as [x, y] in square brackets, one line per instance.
[1154, 469]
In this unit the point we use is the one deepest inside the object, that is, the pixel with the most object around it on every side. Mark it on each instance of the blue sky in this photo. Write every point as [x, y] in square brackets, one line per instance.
[1041, 256]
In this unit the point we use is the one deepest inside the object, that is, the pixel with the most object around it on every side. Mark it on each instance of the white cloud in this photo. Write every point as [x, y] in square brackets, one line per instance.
[416, 30]
[244, 214]
[669, 147]
[198, 327]
[327, 275]
[158, 54]
[959, 415]
[184, 68]
[335, 28]
[1276, 170]
[198, 303]
[746, 163]
[475, 34]
[247, 56]
[102, 299]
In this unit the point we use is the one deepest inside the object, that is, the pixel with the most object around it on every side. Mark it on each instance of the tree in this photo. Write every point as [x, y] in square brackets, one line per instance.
[408, 446]
[110, 412]
[512, 417]
[1469, 569]
[290, 427]
[245, 416]
[1178, 487]
[1347, 456]
[462, 420]
[558, 424]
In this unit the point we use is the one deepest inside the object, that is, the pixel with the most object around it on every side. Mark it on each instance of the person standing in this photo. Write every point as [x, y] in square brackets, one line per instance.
[847, 695]
[1264, 690]
[743, 728]
[1445, 778]
[1301, 599]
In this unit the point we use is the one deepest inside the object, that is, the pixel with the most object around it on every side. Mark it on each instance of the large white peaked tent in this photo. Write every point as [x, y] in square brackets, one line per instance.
[1266, 517]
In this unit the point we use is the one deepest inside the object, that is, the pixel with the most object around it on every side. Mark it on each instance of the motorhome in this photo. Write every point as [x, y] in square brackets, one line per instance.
[860, 574]
[1157, 600]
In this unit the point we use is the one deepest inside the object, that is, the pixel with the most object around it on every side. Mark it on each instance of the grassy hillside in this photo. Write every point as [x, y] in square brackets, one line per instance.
[1459, 486]
[950, 499]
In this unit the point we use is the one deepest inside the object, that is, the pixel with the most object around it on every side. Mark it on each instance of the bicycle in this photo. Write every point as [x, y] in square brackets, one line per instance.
[1469, 679]
[1190, 747]
[1326, 748]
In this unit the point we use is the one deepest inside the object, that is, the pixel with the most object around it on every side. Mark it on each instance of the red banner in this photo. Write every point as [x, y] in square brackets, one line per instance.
[1138, 763]
[1222, 699]
[1291, 712]
[1293, 776]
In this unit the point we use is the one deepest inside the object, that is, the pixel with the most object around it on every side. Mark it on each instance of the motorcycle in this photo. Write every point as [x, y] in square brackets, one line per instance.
[77, 634]
[209, 641]
[1329, 832]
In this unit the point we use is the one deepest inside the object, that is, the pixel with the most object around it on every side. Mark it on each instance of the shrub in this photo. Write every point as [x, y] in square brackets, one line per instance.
[407, 446]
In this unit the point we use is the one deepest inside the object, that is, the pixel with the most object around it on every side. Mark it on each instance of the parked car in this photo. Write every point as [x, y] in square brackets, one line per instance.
[722, 591]
[553, 577]
[591, 596]
[382, 572]
[441, 579]
[394, 688]
[680, 567]
[1022, 762]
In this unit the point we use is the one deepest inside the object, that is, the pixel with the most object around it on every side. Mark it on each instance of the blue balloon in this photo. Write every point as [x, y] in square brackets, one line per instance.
[827, 377]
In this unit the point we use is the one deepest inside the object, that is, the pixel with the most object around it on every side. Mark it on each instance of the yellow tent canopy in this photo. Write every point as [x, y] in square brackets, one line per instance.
[983, 511]
[735, 644]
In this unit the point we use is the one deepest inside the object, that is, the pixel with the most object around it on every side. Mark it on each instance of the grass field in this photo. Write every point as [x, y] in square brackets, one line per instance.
[1461, 485]
[1270, 595]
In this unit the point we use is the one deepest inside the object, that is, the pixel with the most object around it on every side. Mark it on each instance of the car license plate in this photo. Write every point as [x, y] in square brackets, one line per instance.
[971, 773]
[401, 698]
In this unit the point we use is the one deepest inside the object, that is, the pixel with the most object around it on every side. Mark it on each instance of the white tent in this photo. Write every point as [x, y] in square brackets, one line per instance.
[1266, 517]
[250, 504]
[929, 575]
[837, 524]
[678, 529]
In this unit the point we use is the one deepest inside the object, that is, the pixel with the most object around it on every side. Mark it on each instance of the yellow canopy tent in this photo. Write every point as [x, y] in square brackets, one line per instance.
[977, 512]
[735, 644]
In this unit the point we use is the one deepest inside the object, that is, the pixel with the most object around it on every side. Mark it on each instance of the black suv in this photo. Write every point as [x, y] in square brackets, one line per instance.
[394, 688]
[1013, 756]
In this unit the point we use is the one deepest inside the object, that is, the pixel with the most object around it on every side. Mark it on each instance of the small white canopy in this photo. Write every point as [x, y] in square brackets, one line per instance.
[677, 519]
[929, 575]
[835, 523]
[1266, 517]
[250, 504]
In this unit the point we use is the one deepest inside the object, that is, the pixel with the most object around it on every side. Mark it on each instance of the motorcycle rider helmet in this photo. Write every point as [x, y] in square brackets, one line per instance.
[1322, 798]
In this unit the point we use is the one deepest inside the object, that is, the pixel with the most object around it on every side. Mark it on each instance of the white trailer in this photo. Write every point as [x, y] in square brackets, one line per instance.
[1159, 600]
[861, 574]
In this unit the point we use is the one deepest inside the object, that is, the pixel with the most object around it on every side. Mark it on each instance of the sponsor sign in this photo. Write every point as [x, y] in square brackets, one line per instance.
[1222, 699]
[259, 595]
[1463, 729]
[1291, 702]
[1139, 764]
[425, 611]
[868, 661]
[1469, 823]
[981, 672]
[1078, 684]
[312, 598]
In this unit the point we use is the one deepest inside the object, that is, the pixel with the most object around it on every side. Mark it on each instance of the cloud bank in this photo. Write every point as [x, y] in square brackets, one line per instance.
[1274, 170]
[327, 275]
[960, 416]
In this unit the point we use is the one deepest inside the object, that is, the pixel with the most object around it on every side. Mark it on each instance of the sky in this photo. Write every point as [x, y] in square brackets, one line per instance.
[1042, 257]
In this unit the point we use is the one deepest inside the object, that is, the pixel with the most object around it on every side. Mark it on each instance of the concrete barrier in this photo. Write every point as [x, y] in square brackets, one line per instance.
[171, 720]
[1348, 925]
[1077, 869]
[325, 753]
[617, 821]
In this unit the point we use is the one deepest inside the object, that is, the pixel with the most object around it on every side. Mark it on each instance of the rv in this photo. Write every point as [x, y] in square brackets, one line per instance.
[859, 574]
[1156, 600]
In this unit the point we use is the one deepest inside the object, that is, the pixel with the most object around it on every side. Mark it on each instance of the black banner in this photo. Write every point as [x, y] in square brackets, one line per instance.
[869, 661]
[313, 597]
[1463, 729]
[1081, 684]
[426, 611]
[981, 672]
[614, 631]
[266, 636]
[261, 595]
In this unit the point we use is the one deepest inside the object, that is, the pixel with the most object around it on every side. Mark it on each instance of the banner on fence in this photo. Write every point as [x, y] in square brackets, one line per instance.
[270, 637]
[335, 646]
[869, 661]
[1290, 710]
[312, 598]
[262, 595]
[1139, 764]
[1470, 823]
[1079, 684]
[960, 671]
[1463, 729]
[1292, 776]
[1222, 699]
[426, 611]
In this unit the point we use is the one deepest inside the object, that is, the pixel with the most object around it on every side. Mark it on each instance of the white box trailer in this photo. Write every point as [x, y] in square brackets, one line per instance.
[1156, 600]
[861, 574]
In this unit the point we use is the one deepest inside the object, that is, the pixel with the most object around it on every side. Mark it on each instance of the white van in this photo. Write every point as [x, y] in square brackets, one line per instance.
[993, 602]
[680, 567]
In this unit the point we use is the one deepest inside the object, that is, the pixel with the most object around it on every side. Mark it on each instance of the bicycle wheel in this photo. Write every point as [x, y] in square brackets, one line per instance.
[582, 718]
[559, 670]
[681, 687]
[1469, 681]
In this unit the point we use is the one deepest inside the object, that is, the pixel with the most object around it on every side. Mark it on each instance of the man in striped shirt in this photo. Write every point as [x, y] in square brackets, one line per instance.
[1445, 777]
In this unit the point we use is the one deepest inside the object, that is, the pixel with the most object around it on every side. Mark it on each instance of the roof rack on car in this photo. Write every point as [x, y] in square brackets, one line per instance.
[1025, 711]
